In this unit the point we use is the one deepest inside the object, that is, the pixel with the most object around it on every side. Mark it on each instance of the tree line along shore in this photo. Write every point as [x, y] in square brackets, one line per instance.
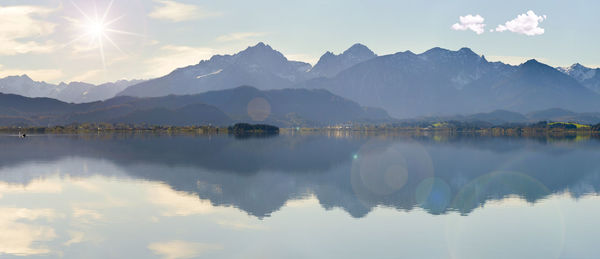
[121, 127]
[418, 127]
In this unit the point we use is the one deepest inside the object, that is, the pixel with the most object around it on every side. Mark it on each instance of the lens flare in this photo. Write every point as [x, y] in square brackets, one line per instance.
[259, 109]
[388, 173]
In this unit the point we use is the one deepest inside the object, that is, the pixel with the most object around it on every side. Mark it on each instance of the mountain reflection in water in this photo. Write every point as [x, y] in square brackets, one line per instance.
[356, 173]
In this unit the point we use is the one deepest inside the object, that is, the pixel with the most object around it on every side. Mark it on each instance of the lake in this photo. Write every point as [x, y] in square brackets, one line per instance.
[334, 195]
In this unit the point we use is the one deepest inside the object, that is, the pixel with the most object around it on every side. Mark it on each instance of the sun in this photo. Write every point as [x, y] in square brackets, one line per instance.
[96, 30]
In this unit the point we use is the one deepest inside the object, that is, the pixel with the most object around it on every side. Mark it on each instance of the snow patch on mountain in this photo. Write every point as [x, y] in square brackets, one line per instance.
[210, 74]
[588, 77]
[579, 72]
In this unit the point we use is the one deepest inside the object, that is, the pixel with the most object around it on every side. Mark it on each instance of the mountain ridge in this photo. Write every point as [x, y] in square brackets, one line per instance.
[441, 81]
[258, 65]
[331, 64]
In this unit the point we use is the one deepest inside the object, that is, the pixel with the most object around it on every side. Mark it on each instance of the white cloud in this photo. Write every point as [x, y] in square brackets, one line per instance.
[527, 24]
[177, 12]
[48, 75]
[22, 29]
[178, 249]
[174, 56]
[470, 22]
[239, 36]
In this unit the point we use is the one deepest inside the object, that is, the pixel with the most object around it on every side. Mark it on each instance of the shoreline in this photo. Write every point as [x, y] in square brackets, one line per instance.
[362, 131]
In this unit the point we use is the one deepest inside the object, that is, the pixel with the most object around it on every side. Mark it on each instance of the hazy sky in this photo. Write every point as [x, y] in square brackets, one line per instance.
[52, 40]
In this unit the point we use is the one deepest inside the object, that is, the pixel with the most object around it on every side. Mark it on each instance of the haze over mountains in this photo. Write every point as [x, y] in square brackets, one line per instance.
[284, 108]
[438, 82]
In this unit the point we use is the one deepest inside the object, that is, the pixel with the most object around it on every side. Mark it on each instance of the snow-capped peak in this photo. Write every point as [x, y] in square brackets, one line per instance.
[578, 71]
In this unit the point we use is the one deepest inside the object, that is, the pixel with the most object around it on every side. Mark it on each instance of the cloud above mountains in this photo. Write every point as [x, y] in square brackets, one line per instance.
[470, 22]
[40, 74]
[178, 12]
[238, 36]
[20, 26]
[526, 24]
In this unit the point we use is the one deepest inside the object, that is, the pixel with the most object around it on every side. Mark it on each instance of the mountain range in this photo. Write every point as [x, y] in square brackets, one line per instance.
[443, 82]
[438, 82]
[74, 92]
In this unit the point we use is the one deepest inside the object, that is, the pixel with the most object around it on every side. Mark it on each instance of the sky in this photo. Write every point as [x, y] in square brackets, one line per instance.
[108, 40]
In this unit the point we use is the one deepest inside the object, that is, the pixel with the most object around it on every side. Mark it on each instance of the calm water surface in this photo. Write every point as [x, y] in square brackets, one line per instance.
[311, 196]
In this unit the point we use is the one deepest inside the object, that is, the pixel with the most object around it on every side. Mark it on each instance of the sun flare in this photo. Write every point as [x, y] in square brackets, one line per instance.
[96, 30]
